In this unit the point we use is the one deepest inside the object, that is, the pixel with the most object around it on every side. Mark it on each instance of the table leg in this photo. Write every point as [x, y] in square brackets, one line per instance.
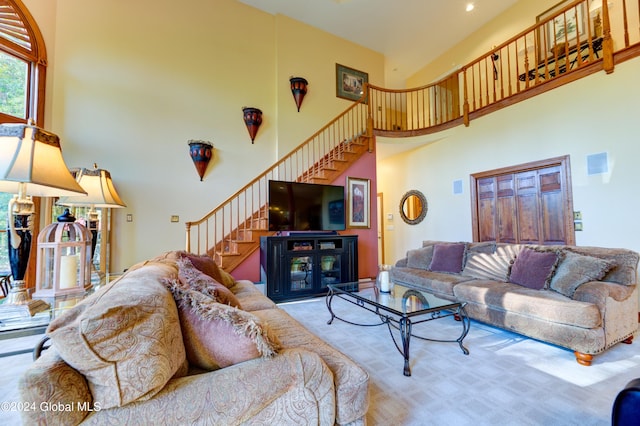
[466, 324]
[328, 300]
[405, 334]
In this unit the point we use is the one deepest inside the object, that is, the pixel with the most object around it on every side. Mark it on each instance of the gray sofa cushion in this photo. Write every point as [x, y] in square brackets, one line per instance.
[575, 269]
[420, 258]
[543, 304]
[437, 283]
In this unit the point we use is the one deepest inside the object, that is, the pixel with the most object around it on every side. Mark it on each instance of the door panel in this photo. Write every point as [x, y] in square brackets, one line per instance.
[529, 203]
[486, 206]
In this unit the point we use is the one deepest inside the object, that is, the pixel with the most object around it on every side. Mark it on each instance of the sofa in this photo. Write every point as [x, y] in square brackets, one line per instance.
[581, 298]
[176, 340]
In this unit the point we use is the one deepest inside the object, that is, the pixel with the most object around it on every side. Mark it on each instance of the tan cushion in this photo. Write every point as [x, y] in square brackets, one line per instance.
[199, 281]
[125, 339]
[216, 335]
[420, 258]
[487, 266]
[575, 269]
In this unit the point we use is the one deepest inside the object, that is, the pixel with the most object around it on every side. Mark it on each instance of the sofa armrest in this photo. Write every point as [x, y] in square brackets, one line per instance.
[53, 392]
[597, 292]
[294, 387]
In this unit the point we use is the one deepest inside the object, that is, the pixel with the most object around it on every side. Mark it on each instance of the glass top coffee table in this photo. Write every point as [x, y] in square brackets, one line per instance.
[402, 308]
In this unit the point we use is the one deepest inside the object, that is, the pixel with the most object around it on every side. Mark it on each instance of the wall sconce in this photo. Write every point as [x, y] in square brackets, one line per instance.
[201, 153]
[299, 89]
[253, 120]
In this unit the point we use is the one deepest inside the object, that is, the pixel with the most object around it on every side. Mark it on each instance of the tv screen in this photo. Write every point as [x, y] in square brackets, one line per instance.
[295, 206]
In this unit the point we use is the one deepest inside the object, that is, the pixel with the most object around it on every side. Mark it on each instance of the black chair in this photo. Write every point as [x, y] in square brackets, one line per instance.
[626, 407]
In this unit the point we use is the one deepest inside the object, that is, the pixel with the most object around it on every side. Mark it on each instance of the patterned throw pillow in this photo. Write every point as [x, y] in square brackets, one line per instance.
[576, 269]
[448, 257]
[216, 335]
[207, 265]
[124, 339]
[197, 280]
[533, 269]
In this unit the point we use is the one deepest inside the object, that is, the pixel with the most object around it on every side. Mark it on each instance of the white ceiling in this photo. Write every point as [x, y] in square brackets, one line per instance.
[409, 33]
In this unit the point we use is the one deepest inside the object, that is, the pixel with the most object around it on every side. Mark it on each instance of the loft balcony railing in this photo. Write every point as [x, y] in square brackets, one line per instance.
[566, 43]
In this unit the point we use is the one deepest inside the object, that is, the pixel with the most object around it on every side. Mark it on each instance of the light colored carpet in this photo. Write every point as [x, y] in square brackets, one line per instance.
[507, 378]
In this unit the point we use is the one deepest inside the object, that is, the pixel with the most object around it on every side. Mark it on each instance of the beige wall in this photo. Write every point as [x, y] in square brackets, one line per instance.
[506, 25]
[130, 82]
[593, 115]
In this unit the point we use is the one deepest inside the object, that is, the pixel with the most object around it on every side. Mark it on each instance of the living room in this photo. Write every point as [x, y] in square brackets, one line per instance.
[129, 83]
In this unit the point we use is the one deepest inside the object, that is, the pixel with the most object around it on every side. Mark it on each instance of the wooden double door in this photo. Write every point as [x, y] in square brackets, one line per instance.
[524, 204]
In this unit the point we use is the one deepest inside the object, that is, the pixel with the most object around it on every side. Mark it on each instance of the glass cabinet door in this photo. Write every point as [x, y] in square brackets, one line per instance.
[301, 270]
[330, 268]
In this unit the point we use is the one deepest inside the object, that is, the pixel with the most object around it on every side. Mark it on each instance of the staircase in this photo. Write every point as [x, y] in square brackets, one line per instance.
[231, 232]
[520, 68]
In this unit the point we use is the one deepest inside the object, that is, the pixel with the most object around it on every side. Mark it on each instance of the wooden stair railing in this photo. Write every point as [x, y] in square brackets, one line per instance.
[230, 232]
[522, 67]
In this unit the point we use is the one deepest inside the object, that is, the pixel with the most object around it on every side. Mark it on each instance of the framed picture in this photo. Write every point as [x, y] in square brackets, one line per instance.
[564, 28]
[350, 83]
[358, 202]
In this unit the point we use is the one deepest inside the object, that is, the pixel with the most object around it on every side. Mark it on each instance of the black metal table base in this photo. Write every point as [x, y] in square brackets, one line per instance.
[404, 325]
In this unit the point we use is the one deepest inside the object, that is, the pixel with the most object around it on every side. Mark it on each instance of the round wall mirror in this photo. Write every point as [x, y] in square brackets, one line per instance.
[413, 207]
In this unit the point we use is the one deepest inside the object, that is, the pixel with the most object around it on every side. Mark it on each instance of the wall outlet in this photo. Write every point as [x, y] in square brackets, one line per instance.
[175, 218]
[129, 217]
[578, 226]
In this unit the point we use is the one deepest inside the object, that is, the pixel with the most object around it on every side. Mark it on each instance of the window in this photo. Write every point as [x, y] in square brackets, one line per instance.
[23, 63]
[13, 86]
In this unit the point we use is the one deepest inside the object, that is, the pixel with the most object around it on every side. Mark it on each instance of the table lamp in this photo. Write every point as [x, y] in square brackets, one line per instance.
[101, 193]
[31, 164]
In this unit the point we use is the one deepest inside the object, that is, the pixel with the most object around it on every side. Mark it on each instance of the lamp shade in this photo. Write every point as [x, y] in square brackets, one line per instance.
[100, 190]
[32, 156]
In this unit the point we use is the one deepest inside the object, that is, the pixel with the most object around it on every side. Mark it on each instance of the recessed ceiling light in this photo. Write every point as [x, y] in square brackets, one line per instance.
[469, 7]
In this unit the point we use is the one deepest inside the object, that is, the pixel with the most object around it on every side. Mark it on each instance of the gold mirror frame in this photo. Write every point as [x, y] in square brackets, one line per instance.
[413, 207]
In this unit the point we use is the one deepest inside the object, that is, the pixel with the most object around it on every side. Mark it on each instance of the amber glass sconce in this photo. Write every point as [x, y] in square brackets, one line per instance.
[252, 119]
[298, 89]
[201, 153]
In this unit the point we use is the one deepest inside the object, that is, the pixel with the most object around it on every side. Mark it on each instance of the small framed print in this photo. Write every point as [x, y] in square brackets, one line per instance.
[350, 82]
[358, 202]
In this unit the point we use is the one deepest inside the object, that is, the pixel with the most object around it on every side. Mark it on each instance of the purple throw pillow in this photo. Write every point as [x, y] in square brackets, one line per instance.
[533, 269]
[448, 257]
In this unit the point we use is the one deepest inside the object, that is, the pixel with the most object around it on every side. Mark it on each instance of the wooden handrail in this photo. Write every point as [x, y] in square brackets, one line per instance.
[521, 67]
[246, 210]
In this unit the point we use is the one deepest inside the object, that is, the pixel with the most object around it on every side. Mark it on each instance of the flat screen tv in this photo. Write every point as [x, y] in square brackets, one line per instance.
[295, 206]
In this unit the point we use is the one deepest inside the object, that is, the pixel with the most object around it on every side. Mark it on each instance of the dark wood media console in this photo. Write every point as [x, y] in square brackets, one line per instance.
[301, 266]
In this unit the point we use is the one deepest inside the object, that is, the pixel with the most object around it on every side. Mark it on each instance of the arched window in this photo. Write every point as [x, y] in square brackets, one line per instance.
[23, 64]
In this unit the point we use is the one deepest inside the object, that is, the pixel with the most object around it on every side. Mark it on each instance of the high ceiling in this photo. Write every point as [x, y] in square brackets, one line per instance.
[409, 33]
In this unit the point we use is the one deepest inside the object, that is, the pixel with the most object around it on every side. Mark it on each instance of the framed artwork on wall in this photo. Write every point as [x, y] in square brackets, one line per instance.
[565, 29]
[350, 82]
[358, 202]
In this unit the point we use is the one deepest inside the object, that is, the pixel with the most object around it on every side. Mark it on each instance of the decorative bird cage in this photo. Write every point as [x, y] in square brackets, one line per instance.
[64, 260]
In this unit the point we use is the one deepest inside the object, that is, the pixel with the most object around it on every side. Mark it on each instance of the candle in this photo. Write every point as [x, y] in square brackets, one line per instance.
[384, 281]
[68, 271]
